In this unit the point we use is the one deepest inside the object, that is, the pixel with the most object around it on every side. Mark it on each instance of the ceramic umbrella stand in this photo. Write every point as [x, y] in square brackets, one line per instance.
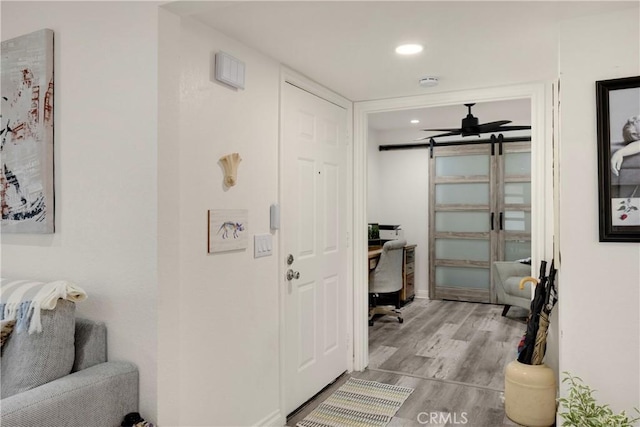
[530, 394]
[530, 385]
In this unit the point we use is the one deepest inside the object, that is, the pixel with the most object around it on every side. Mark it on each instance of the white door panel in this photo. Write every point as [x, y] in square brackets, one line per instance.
[313, 227]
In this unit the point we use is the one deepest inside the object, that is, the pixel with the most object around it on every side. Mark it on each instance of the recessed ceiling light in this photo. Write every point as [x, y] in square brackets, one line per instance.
[409, 49]
[415, 121]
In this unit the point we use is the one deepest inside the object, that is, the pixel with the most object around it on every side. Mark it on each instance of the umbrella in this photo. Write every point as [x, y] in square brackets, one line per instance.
[540, 345]
[526, 354]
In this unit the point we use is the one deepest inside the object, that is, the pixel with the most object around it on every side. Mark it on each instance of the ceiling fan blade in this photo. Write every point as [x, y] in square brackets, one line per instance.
[442, 130]
[488, 127]
[458, 132]
[507, 128]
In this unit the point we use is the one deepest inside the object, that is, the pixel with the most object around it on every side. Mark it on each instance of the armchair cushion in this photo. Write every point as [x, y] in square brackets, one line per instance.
[512, 287]
[506, 283]
[98, 397]
[91, 344]
[29, 360]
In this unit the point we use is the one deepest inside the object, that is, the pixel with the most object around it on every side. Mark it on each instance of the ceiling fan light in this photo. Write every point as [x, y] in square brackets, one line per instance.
[409, 49]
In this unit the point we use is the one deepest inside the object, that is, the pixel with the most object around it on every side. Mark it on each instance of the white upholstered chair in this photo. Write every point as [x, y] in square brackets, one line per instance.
[386, 278]
[506, 283]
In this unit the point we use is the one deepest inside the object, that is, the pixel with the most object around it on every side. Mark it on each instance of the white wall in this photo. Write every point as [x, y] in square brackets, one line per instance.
[105, 171]
[227, 366]
[169, 291]
[599, 282]
[398, 193]
[373, 167]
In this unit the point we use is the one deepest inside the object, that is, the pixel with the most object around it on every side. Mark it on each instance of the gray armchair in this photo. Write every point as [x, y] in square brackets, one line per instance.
[97, 393]
[386, 278]
[506, 283]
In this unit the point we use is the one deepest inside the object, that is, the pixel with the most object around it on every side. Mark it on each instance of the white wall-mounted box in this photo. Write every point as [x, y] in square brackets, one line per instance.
[229, 70]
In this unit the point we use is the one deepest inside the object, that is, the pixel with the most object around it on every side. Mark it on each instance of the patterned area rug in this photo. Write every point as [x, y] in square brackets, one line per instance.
[358, 403]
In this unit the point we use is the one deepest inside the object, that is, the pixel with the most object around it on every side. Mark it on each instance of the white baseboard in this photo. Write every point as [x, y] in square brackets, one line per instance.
[422, 293]
[272, 420]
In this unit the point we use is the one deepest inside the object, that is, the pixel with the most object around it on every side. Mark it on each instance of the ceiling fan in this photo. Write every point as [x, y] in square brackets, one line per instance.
[470, 126]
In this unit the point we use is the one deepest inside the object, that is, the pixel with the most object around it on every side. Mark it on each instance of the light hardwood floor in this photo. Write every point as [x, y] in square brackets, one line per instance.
[452, 353]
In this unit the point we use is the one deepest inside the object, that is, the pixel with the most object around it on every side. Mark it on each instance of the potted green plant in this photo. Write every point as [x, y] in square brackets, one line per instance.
[582, 410]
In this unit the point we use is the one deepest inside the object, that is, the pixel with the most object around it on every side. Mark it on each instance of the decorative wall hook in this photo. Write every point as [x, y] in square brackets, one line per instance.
[230, 164]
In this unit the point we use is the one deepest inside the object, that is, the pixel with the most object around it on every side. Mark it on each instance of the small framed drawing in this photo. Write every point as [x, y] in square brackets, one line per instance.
[228, 230]
[618, 121]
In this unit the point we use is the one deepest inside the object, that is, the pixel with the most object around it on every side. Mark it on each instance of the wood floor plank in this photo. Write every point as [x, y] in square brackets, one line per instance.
[442, 345]
[381, 355]
[405, 361]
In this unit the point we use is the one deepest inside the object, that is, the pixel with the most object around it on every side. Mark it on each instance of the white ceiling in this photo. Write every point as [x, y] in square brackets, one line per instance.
[348, 46]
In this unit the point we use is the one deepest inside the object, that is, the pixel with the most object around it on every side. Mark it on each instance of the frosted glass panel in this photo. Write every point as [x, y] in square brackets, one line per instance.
[472, 250]
[516, 250]
[517, 221]
[462, 165]
[460, 277]
[517, 193]
[517, 164]
[463, 221]
[462, 193]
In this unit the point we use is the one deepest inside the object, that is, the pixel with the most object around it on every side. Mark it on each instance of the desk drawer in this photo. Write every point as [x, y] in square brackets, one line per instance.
[410, 255]
[408, 291]
[409, 268]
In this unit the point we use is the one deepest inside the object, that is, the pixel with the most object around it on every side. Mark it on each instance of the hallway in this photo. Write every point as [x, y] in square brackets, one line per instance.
[452, 353]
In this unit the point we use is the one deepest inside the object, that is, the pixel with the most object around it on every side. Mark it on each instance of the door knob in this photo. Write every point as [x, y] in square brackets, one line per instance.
[292, 274]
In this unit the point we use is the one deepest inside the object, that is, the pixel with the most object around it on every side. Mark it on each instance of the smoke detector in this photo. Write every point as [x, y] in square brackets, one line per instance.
[428, 81]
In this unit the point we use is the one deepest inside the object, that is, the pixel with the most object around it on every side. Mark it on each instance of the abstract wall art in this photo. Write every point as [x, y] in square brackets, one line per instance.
[26, 134]
[228, 230]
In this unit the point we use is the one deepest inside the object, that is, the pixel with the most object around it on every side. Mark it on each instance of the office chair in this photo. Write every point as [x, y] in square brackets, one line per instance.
[387, 278]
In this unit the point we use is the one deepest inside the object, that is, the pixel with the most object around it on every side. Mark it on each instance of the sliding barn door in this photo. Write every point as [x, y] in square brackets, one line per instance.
[480, 212]
[514, 201]
[461, 192]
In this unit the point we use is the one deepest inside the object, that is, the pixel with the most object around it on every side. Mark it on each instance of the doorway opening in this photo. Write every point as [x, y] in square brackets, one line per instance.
[465, 202]
[365, 113]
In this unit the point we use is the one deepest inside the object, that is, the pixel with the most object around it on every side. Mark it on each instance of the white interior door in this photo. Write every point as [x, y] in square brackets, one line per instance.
[313, 227]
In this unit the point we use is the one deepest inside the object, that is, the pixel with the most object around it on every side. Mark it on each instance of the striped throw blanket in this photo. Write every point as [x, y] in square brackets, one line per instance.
[22, 300]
